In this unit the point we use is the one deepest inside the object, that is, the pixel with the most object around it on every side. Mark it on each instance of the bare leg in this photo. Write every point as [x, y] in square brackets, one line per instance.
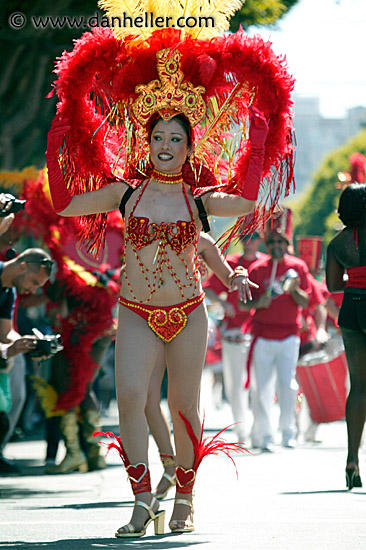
[185, 358]
[158, 423]
[137, 351]
[355, 346]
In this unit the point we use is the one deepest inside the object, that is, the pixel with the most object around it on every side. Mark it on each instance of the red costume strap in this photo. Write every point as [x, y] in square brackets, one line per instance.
[356, 277]
[249, 359]
[139, 474]
[167, 460]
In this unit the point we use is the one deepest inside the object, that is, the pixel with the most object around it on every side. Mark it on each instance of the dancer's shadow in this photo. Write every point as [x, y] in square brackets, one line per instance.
[169, 541]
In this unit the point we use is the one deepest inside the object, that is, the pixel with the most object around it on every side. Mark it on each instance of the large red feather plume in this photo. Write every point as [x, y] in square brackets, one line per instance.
[211, 445]
[96, 86]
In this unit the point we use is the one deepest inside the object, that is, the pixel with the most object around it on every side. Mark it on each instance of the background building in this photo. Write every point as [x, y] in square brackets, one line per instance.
[317, 136]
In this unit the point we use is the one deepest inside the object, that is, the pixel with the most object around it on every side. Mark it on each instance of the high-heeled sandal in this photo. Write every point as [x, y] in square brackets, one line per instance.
[157, 517]
[182, 525]
[172, 482]
[353, 478]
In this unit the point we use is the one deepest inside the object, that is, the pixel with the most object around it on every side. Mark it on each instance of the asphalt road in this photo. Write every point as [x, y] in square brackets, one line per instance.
[291, 499]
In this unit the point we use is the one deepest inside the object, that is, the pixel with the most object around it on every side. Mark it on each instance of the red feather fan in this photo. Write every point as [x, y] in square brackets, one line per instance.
[96, 87]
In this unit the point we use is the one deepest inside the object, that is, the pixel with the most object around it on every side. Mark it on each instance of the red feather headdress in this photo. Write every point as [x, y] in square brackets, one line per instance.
[100, 81]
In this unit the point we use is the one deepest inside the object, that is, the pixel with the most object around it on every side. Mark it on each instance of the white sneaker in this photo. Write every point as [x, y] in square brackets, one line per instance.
[267, 446]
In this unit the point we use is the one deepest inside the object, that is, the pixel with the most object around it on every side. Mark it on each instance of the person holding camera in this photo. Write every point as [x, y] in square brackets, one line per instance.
[283, 291]
[23, 275]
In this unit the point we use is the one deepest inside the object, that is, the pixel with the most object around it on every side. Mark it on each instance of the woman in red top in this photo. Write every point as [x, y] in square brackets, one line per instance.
[347, 253]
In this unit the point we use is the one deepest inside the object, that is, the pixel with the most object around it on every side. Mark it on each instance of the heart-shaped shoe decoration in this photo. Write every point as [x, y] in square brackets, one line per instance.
[184, 477]
[136, 472]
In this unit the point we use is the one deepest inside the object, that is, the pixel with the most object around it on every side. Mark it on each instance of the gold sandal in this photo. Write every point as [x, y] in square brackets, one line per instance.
[157, 517]
[163, 494]
[182, 525]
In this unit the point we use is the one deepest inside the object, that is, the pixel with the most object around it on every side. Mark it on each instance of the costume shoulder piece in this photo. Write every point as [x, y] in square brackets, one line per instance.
[114, 82]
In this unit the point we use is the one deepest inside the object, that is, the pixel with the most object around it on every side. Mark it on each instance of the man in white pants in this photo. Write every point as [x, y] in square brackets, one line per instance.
[282, 293]
[235, 339]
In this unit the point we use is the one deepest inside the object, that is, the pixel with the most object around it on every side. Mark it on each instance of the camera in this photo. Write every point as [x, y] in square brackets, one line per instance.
[46, 344]
[16, 205]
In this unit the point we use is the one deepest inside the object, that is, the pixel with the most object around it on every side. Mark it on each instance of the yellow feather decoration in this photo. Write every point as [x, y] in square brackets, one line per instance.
[17, 178]
[211, 16]
[47, 396]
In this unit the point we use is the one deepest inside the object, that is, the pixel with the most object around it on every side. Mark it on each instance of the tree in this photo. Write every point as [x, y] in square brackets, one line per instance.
[26, 65]
[260, 13]
[314, 213]
[27, 62]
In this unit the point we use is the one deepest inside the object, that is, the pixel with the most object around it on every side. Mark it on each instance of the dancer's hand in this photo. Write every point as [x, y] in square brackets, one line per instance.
[242, 283]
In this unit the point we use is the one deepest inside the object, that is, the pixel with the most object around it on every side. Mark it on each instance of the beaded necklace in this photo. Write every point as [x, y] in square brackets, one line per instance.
[161, 258]
[168, 179]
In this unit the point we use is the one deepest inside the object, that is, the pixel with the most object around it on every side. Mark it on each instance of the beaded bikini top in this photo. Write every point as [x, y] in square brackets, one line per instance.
[177, 236]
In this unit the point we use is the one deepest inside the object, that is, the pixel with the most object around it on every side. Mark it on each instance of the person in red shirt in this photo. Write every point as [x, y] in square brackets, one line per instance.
[284, 289]
[234, 331]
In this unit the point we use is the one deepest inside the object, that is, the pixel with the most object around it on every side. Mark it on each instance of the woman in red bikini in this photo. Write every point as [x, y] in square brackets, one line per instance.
[346, 253]
[156, 124]
[161, 298]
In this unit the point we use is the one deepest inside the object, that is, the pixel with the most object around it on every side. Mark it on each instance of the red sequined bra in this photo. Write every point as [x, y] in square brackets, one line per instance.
[177, 236]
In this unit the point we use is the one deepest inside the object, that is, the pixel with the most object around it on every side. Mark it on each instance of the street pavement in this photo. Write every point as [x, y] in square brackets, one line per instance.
[291, 499]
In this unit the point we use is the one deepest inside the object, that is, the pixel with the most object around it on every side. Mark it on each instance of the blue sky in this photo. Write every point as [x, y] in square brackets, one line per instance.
[325, 43]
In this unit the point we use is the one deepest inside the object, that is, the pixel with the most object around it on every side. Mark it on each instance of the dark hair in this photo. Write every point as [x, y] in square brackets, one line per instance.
[182, 121]
[352, 205]
[37, 258]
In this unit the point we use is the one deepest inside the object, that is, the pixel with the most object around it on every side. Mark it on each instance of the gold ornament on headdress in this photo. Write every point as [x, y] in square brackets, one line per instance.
[169, 95]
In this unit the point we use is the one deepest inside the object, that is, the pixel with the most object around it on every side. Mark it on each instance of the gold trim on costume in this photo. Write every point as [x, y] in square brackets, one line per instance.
[169, 95]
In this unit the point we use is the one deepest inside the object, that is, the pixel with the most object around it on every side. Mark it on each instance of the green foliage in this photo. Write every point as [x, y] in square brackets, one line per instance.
[26, 65]
[260, 13]
[315, 211]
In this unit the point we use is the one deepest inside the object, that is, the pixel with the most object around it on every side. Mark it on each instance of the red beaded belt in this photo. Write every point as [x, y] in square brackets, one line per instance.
[166, 321]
